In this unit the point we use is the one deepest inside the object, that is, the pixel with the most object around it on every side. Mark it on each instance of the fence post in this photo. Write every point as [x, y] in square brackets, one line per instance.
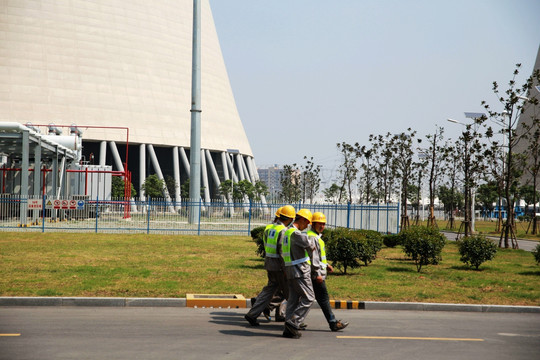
[249, 216]
[348, 214]
[398, 215]
[97, 212]
[387, 217]
[148, 215]
[43, 213]
[378, 215]
[199, 227]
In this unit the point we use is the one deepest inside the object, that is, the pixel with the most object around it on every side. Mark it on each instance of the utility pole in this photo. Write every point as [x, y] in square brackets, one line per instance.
[195, 144]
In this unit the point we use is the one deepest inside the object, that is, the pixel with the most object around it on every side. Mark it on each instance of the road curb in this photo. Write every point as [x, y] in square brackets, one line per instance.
[181, 302]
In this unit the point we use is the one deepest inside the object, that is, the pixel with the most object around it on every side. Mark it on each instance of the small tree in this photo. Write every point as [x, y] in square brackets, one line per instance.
[260, 189]
[348, 168]
[487, 195]
[435, 153]
[117, 187]
[290, 184]
[226, 189]
[476, 249]
[401, 146]
[331, 194]
[153, 186]
[257, 236]
[514, 101]
[311, 180]
[170, 184]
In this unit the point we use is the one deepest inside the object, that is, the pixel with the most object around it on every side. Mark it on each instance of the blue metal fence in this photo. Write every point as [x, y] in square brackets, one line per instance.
[43, 214]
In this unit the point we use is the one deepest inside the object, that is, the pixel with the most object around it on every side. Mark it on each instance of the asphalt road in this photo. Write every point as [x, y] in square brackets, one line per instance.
[187, 333]
[527, 245]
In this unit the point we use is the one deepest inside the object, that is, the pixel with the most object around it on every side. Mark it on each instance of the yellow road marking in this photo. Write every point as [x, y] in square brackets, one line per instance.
[10, 334]
[406, 338]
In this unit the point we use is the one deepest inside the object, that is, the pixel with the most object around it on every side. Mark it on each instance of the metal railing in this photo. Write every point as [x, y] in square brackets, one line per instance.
[81, 214]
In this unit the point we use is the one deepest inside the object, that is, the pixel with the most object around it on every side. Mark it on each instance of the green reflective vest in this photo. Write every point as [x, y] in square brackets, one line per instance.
[286, 250]
[272, 234]
[321, 246]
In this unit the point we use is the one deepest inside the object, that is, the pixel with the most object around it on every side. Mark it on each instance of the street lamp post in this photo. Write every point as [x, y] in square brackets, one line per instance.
[195, 143]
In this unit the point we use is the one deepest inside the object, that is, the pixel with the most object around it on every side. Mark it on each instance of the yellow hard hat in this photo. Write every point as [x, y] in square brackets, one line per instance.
[288, 211]
[278, 211]
[305, 213]
[318, 217]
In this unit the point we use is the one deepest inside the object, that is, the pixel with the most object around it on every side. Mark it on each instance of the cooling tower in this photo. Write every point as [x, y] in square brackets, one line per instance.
[528, 124]
[121, 71]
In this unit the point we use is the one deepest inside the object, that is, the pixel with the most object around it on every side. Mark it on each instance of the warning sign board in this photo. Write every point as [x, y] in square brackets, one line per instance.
[60, 204]
[35, 204]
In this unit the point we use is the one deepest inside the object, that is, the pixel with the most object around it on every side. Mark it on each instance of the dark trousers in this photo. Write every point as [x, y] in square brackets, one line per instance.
[321, 295]
[276, 281]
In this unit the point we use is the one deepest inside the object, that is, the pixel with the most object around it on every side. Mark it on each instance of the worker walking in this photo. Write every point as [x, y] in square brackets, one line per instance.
[273, 263]
[297, 251]
[319, 268]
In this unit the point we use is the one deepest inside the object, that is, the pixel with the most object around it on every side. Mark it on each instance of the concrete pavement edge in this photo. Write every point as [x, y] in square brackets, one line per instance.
[181, 302]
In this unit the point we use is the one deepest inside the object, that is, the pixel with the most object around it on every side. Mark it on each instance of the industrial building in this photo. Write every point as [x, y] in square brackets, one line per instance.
[113, 79]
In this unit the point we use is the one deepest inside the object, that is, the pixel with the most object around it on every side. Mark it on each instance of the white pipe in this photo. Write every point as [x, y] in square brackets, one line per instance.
[142, 170]
[231, 168]
[10, 126]
[224, 164]
[176, 169]
[212, 167]
[116, 156]
[204, 174]
[159, 174]
[102, 153]
[240, 167]
[185, 160]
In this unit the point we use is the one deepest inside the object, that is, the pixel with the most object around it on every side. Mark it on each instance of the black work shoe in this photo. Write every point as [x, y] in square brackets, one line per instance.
[338, 325]
[303, 326]
[280, 318]
[266, 313]
[251, 321]
[291, 328]
[290, 335]
[291, 332]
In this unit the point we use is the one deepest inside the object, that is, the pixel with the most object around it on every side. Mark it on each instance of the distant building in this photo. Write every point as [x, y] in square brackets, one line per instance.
[271, 176]
[528, 123]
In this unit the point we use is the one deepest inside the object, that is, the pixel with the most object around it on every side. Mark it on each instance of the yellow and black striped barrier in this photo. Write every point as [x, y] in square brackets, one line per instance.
[348, 304]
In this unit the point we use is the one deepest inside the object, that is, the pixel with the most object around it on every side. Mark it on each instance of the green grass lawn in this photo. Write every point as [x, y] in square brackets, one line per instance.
[69, 264]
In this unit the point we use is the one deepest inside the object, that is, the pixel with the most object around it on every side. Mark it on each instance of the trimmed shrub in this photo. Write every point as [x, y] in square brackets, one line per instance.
[369, 246]
[536, 253]
[476, 249]
[342, 248]
[391, 240]
[423, 245]
[257, 236]
[348, 248]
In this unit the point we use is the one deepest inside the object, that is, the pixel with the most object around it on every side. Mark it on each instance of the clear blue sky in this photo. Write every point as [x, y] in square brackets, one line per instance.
[314, 73]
